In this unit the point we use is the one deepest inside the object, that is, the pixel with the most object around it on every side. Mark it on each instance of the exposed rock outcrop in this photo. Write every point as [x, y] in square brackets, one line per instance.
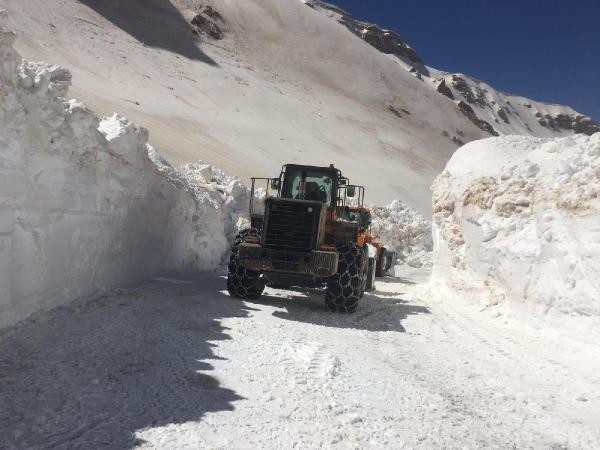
[208, 22]
[468, 111]
[472, 94]
[458, 141]
[577, 122]
[502, 112]
[387, 41]
[443, 89]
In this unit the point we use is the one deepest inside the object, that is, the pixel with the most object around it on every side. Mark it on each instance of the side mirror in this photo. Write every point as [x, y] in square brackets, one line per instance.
[275, 184]
[343, 182]
[350, 191]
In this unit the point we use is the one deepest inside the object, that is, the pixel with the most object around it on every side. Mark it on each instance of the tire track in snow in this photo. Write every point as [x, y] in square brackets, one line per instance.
[509, 374]
[313, 371]
[513, 347]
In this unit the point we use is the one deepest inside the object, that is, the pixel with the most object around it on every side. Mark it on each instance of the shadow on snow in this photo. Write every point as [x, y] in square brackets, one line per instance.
[91, 373]
[377, 311]
[156, 23]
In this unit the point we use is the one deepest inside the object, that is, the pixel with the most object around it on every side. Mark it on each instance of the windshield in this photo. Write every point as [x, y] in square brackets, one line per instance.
[308, 184]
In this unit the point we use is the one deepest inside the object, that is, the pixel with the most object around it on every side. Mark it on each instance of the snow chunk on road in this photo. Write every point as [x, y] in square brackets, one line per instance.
[515, 222]
[87, 204]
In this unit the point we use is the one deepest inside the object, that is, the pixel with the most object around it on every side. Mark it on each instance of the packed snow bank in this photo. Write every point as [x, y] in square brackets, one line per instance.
[516, 223]
[405, 231]
[88, 204]
[233, 201]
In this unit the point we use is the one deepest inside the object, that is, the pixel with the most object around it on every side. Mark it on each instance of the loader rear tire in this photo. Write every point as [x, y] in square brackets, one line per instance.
[344, 288]
[371, 275]
[382, 263]
[390, 270]
[243, 283]
[364, 274]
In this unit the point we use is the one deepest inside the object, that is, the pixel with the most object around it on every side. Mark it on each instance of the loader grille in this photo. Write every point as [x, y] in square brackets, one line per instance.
[292, 224]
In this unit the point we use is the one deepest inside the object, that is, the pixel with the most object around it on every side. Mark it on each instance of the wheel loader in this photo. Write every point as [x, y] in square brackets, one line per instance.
[309, 228]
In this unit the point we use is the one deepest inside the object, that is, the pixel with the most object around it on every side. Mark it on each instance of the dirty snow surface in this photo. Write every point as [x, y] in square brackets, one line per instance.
[176, 363]
[516, 227]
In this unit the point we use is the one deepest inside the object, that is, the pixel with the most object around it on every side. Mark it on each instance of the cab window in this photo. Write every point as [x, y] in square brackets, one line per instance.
[318, 186]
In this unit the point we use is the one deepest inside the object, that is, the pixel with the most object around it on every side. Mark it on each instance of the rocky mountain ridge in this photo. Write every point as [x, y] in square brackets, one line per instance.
[387, 41]
[494, 112]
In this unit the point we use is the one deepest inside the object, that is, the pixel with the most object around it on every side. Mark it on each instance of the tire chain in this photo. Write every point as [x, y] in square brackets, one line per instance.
[241, 282]
[344, 288]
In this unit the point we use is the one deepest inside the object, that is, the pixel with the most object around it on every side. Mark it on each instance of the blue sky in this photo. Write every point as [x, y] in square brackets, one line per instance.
[548, 50]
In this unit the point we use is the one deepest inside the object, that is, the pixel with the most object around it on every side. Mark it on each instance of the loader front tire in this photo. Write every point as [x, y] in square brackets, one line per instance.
[344, 288]
[243, 283]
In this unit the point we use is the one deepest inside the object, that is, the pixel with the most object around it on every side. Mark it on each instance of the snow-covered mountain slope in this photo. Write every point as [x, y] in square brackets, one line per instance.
[250, 85]
[515, 224]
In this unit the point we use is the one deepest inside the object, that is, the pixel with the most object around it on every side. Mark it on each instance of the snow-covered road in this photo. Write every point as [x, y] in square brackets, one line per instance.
[179, 364]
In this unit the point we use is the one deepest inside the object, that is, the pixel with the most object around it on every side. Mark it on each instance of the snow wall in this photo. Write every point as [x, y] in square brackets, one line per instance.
[87, 204]
[516, 223]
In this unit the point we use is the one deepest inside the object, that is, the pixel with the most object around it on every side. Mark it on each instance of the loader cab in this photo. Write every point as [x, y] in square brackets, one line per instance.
[325, 185]
[310, 183]
[296, 182]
